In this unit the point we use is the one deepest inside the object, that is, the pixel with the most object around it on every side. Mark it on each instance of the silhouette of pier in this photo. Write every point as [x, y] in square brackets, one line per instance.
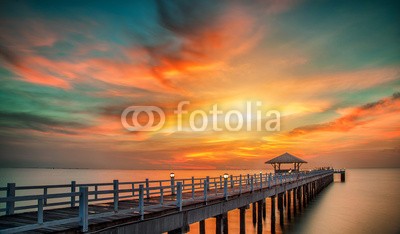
[156, 206]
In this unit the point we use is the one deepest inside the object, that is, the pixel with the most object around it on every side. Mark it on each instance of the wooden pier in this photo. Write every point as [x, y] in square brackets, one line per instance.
[342, 173]
[155, 206]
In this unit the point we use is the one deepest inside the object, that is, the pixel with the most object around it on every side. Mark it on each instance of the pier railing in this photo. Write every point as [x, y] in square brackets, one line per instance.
[172, 193]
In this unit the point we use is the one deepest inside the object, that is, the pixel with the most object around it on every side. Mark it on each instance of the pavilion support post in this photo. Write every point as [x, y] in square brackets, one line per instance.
[304, 196]
[242, 220]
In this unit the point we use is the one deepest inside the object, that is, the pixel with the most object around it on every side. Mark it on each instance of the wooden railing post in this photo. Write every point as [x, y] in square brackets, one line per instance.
[116, 194]
[141, 202]
[96, 189]
[40, 211]
[240, 184]
[261, 185]
[84, 208]
[226, 188]
[193, 187]
[10, 194]
[251, 184]
[173, 185]
[205, 190]
[45, 195]
[133, 189]
[147, 189]
[269, 180]
[231, 181]
[179, 196]
[220, 181]
[208, 183]
[73, 190]
[161, 195]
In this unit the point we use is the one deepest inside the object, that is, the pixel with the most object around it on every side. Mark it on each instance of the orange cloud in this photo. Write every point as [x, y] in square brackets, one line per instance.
[358, 116]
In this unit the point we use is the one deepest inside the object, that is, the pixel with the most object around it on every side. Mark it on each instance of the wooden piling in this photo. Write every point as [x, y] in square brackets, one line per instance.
[202, 225]
[264, 209]
[294, 201]
[280, 208]
[273, 214]
[284, 200]
[221, 224]
[176, 231]
[299, 196]
[225, 223]
[259, 214]
[289, 204]
[242, 211]
[218, 224]
[254, 213]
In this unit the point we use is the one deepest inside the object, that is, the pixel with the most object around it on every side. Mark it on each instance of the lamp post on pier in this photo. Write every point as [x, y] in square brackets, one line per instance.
[172, 175]
[226, 185]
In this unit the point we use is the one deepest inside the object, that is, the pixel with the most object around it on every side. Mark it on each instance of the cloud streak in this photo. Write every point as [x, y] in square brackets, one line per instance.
[355, 117]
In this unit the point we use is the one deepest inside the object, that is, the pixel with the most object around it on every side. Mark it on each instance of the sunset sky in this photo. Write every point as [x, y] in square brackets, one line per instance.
[69, 68]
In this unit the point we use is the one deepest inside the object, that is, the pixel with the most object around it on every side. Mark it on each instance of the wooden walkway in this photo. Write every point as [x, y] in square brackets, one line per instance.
[141, 201]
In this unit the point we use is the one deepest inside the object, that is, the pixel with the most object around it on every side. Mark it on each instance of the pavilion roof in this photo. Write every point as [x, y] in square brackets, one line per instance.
[285, 158]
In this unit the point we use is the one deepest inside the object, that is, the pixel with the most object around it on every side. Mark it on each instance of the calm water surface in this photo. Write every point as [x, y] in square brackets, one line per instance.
[368, 202]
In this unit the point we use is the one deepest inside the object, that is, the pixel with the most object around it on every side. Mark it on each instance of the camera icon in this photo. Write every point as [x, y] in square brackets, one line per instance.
[138, 125]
